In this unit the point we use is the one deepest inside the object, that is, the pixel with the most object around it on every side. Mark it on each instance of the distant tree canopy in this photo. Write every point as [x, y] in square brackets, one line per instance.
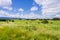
[43, 20]
[3, 20]
[56, 18]
[6, 20]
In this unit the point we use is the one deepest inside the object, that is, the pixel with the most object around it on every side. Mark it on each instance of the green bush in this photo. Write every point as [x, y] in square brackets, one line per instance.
[45, 21]
[38, 22]
[12, 20]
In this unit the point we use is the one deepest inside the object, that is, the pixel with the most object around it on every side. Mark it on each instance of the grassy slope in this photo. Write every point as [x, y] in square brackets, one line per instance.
[29, 30]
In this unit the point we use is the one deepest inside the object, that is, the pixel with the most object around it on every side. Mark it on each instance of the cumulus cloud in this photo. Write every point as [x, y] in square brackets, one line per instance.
[14, 16]
[34, 8]
[49, 7]
[21, 10]
[9, 8]
[3, 13]
[31, 15]
[57, 16]
[7, 14]
[6, 4]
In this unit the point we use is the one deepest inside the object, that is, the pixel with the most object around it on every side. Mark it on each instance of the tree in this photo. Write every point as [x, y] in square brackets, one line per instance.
[56, 18]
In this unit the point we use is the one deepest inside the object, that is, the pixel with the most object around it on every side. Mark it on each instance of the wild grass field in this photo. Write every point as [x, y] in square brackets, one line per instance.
[30, 30]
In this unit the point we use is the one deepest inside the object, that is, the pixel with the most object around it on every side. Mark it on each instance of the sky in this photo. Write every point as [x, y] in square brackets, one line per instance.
[30, 8]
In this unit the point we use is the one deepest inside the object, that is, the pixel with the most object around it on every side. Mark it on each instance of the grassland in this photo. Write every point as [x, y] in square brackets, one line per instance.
[30, 30]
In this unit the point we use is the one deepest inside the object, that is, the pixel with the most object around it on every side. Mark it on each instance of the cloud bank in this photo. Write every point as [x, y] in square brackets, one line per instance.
[6, 4]
[49, 7]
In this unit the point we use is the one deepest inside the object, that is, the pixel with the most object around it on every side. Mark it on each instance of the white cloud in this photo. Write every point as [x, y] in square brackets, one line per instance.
[6, 4]
[21, 10]
[34, 8]
[49, 7]
[3, 13]
[8, 8]
[31, 15]
[57, 16]
[14, 16]
[7, 14]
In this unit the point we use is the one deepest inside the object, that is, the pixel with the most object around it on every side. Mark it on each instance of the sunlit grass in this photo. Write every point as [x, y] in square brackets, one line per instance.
[30, 30]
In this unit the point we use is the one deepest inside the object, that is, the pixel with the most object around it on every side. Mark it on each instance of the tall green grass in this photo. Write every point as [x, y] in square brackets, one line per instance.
[30, 30]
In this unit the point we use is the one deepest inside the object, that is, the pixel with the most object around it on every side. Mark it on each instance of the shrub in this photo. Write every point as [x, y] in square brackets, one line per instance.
[38, 22]
[51, 22]
[12, 20]
[45, 21]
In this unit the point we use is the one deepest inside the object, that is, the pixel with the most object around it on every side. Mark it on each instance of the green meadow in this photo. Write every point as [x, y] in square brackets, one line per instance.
[30, 30]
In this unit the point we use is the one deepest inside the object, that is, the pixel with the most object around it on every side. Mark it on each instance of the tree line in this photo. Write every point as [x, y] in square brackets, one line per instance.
[28, 19]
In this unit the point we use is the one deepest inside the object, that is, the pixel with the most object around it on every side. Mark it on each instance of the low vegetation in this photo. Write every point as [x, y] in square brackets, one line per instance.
[30, 30]
[44, 21]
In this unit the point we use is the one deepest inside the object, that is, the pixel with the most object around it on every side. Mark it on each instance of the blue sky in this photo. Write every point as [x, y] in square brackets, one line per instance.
[30, 8]
[25, 4]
